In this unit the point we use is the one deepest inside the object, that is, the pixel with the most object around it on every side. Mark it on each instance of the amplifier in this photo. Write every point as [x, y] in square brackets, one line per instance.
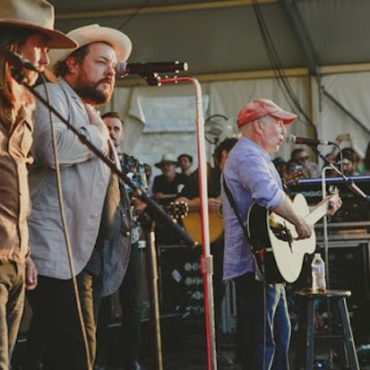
[349, 269]
[181, 282]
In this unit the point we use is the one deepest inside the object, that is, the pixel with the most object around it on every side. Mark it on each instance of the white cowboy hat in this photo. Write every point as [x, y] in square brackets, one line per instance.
[95, 33]
[35, 15]
[166, 158]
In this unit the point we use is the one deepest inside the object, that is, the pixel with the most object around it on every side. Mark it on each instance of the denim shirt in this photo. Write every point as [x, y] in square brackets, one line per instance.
[252, 178]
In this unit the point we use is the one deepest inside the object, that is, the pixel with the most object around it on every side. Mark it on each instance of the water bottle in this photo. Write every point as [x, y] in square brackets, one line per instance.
[318, 273]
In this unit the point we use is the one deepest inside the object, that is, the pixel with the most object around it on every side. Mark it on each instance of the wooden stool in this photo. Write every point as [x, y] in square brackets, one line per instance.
[338, 296]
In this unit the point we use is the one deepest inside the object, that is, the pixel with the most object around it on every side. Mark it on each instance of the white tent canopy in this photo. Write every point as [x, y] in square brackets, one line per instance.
[320, 44]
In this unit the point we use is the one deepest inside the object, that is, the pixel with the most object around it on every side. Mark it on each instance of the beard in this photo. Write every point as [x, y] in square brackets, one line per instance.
[92, 93]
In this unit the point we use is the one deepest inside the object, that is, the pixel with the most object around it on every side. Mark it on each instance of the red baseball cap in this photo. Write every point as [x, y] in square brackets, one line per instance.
[259, 108]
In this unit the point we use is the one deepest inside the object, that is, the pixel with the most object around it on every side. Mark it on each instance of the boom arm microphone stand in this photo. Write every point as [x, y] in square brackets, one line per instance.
[347, 181]
[206, 259]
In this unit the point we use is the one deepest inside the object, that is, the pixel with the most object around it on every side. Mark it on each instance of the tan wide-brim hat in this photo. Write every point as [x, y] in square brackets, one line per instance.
[85, 35]
[166, 158]
[37, 15]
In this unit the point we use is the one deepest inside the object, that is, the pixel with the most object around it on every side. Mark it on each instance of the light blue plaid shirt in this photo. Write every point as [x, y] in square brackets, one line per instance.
[252, 178]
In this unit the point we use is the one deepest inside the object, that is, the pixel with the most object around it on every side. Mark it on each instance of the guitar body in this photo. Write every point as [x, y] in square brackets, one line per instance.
[193, 225]
[273, 235]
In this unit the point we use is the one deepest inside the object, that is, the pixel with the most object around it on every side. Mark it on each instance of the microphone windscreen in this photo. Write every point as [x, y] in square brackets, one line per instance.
[290, 139]
[121, 68]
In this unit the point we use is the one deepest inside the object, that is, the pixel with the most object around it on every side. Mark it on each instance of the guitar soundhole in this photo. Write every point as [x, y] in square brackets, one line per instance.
[282, 233]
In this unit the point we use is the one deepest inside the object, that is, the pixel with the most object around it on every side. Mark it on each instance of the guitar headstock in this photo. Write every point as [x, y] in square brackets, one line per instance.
[333, 190]
[177, 210]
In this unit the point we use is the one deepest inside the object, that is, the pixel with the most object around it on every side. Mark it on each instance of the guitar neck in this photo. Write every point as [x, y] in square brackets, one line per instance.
[318, 212]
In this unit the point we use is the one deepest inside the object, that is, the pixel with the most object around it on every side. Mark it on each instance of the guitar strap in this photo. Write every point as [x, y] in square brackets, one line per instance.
[234, 206]
[237, 214]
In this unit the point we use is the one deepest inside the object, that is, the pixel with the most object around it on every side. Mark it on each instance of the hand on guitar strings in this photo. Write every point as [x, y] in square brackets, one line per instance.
[335, 202]
[304, 230]
[214, 204]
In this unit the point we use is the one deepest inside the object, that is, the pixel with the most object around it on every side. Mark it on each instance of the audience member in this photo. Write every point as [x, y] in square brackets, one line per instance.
[310, 169]
[168, 186]
[185, 161]
[356, 153]
[294, 172]
[347, 160]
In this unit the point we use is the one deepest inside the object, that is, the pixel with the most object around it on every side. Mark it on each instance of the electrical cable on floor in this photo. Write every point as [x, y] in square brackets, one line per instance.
[65, 230]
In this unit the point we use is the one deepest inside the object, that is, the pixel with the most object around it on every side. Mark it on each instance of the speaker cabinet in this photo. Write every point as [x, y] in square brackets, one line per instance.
[181, 282]
[349, 269]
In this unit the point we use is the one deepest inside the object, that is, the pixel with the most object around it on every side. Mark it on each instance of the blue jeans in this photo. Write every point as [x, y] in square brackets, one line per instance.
[12, 288]
[251, 322]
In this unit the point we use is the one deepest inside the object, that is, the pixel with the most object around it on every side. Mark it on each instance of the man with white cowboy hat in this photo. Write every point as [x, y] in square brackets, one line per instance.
[170, 183]
[166, 188]
[91, 195]
[26, 28]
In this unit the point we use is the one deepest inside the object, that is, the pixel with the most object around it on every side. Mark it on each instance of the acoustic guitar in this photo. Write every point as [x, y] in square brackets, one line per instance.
[177, 210]
[274, 238]
[193, 225]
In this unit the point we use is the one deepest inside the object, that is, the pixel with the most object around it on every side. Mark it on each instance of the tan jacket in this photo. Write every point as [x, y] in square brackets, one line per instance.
[15, 144]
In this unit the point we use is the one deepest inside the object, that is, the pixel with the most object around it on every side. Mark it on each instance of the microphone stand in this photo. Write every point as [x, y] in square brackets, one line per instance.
[206, 261]
[325, 228]
[347, 181]
[153, 208]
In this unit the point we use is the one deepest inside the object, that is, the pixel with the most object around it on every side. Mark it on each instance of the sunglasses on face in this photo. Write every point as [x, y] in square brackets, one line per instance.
[295, 168]
[302, 159]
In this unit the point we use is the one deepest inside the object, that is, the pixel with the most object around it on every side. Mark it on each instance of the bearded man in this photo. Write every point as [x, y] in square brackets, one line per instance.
[91, 197]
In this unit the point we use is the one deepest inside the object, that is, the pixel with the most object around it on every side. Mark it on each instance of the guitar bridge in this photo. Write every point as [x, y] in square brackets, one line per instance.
[282, 233]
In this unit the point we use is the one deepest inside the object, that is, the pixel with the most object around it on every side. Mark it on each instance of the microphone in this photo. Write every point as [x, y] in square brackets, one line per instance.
[291, 139]
[149, 69]
[17, 61]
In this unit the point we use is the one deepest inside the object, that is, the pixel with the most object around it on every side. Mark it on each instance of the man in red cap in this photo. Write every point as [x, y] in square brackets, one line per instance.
[251, 177]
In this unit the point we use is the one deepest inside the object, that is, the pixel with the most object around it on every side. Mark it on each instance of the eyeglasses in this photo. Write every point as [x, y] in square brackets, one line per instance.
[302, 159]
[295, 168]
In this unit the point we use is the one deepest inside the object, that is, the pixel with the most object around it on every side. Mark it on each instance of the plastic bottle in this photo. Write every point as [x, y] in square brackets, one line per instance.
[318, 273]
